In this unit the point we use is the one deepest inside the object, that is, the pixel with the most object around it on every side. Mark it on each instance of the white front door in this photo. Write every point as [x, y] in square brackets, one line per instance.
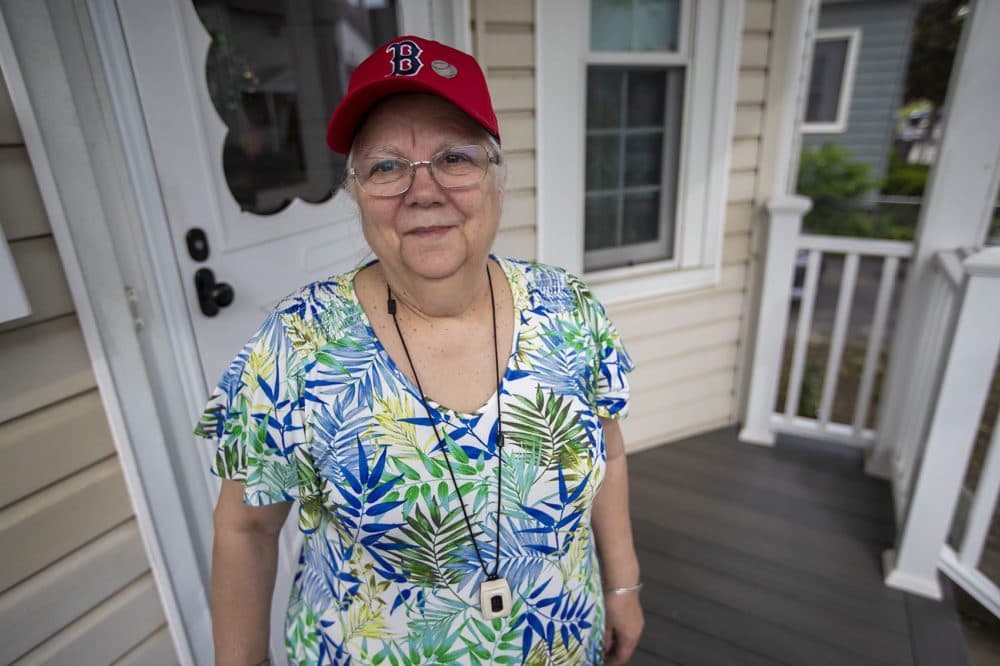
[235, 96]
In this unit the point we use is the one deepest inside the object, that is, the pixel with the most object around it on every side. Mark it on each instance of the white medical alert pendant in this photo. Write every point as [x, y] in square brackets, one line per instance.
[494, 598]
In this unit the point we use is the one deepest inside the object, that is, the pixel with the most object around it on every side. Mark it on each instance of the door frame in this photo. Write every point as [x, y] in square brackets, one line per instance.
[93, 161]
[46, 62]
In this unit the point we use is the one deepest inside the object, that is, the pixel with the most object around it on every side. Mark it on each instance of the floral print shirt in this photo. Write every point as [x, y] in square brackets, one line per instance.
[314, 410]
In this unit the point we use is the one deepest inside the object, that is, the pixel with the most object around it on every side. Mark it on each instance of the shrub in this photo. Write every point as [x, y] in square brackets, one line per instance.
[836, 184]
[906, 180]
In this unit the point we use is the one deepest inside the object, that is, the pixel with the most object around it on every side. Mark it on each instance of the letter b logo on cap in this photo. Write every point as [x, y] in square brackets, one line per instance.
[405, 58]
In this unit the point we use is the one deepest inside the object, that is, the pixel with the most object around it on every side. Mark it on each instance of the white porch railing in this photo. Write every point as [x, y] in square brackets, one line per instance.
[968, 372]
[784, 243]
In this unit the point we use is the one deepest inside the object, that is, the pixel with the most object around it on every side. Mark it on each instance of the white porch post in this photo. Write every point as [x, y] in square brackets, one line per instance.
[968, 373]
[955, 213]
[783, 225]
[793, 23]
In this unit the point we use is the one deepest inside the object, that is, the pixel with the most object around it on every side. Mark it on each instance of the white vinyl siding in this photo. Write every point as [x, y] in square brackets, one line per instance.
[75, 586]
[503, 42]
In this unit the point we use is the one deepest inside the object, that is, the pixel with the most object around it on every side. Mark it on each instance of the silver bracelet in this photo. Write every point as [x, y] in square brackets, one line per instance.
[624, 590]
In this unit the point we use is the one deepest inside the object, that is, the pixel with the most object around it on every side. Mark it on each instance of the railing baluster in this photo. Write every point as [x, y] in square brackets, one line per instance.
[968, 371]
[890, 267]
[983, 504]
[764, 415]
[844, 300]
[782, 227]
[802, 329]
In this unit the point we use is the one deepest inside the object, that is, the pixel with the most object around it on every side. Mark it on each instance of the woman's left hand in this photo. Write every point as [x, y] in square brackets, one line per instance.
[623, 624]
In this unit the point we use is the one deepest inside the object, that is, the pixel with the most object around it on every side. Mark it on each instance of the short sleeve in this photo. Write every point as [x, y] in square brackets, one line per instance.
[612, 362]
[256, 419]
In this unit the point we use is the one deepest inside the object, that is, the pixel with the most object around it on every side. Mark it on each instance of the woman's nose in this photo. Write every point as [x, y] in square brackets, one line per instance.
[423, 187]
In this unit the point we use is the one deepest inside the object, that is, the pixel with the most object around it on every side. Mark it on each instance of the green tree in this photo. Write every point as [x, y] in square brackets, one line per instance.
[935, 39]
[936, 33]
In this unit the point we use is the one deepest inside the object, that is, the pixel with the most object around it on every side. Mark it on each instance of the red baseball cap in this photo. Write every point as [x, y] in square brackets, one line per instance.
[411, 64]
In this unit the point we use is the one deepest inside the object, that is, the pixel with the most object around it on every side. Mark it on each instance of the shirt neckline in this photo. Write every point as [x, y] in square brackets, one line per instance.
[518, 302]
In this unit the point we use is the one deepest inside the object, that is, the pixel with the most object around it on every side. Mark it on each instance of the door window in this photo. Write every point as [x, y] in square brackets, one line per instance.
[275, 71]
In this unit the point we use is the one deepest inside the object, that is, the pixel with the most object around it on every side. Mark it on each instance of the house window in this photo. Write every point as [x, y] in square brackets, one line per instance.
[634, 25]
[632, 132]
[831, 80]
[633, 141]
[636, 99]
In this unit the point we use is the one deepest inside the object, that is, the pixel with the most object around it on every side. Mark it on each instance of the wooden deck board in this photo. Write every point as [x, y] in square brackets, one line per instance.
[771, 556]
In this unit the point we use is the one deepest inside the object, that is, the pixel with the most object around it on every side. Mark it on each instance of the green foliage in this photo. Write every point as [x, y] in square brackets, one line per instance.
[837, 186]
[828, 173]
[812, 386]
[835, 183]
[906, 180]
[935, 40]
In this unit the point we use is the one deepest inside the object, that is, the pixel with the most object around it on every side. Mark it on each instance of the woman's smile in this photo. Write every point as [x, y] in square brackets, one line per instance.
[430, 231]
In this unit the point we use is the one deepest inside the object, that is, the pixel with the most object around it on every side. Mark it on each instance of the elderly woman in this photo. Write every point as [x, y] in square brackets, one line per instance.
[444, 418]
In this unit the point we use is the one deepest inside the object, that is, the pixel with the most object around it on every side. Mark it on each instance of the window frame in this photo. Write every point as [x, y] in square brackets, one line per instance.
[709, 48]
[839, 124]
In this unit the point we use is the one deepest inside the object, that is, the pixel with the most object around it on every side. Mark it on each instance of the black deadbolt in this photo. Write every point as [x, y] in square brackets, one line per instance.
[197, 244]
[212, 295]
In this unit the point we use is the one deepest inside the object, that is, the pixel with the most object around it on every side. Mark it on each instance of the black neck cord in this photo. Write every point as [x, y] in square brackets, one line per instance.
[391, 305]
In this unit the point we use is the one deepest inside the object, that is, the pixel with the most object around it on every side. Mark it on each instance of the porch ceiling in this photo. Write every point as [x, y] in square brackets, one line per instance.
[772, 556]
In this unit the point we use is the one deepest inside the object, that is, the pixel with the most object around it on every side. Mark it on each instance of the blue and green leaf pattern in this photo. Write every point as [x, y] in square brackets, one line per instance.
[314, 411]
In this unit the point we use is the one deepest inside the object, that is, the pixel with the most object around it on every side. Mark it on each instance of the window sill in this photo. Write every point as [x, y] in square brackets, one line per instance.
[634, 283]
[824, 128]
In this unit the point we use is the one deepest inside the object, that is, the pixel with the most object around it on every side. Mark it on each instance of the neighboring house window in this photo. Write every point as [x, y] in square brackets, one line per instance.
[835, 59]
[636, 99]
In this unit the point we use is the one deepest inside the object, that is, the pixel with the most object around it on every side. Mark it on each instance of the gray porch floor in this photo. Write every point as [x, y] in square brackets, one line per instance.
[772, 556]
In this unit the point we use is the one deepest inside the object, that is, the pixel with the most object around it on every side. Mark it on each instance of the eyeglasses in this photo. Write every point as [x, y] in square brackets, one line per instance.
[453, 168]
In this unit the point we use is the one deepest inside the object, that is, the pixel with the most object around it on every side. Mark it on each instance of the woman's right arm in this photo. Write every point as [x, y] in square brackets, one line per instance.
[244, 562]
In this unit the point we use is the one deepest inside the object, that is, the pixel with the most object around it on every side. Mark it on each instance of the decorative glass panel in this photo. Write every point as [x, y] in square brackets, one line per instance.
[275, 71]
[634, 25]
[829, 60]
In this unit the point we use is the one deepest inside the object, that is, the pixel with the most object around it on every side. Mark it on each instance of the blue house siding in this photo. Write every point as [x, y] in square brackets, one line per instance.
[886, 30]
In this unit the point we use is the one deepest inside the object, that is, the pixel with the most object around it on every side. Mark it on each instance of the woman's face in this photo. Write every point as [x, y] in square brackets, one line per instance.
[427, 232]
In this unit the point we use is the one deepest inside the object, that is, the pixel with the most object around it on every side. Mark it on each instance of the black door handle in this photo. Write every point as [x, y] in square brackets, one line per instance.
[212, 295]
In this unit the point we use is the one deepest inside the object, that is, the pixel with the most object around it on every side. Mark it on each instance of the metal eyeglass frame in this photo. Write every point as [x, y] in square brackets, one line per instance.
[491, 159]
